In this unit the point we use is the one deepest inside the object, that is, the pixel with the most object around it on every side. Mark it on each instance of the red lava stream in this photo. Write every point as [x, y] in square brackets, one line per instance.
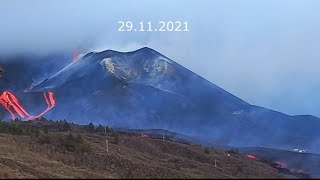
[11, 103]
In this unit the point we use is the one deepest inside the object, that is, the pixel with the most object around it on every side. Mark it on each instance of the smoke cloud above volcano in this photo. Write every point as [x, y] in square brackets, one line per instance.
[265, 52]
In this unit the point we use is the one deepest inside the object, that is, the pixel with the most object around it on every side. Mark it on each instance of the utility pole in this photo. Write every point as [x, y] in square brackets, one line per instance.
[107, 146]
[162, 136]
[215, 163]
[107, 143]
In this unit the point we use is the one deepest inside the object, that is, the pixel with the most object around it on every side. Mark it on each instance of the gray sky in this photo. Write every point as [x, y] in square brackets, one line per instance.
[266, 52]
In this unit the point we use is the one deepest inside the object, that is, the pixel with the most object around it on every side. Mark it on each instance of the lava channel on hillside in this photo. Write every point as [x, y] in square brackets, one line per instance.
[11, 103]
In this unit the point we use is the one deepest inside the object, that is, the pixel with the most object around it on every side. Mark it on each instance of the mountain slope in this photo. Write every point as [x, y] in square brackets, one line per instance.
[144, 89]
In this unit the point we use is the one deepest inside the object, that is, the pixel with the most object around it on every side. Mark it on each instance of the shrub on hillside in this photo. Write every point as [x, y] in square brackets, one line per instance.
[90, 127]
[115, 136]
[44, 139]
[14, 128]
[75, 144]
[206, 150]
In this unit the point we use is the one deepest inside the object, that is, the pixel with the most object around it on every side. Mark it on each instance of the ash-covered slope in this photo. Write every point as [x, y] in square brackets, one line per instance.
[144, 80]
[144, 89]
[21, 71]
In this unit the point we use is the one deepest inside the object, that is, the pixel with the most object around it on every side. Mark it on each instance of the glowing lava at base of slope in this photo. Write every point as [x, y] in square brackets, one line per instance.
[251, 156]
[11, 103]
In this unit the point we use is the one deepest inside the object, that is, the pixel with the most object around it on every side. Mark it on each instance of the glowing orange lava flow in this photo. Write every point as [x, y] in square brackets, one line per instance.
[76, 56]
[251, 156]
[11, 104]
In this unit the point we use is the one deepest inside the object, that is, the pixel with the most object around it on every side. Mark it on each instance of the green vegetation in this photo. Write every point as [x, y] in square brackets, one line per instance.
[44, 139]
[206, 150]
[14, 128]
[66, 126]
[90, 127]
[115, 136]
[34, 127]
[99, 129]
[75, 144]
[41, 130]
[102, 129]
